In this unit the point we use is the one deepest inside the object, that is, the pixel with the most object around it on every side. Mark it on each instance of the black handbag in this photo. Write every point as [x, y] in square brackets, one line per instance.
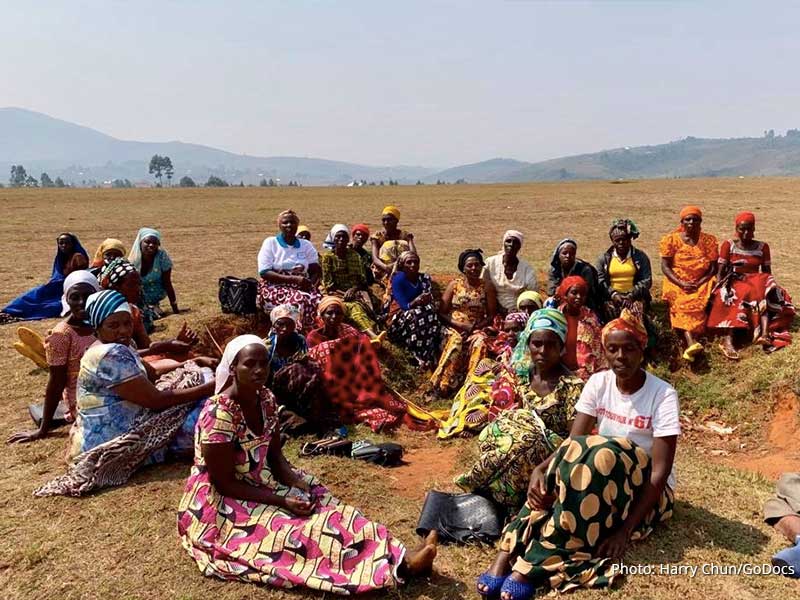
[238, 296]
[387, 454]
[460, 518]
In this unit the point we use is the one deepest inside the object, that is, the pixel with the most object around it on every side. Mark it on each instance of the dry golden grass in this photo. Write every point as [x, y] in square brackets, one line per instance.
[122, 543]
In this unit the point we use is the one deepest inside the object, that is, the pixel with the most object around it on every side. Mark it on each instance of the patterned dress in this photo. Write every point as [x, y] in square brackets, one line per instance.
[336, 549]
[340, 275]
[461, 355]
[687, 310]
[588, 349]
[153, 290]
[418, 328]
[64, 346]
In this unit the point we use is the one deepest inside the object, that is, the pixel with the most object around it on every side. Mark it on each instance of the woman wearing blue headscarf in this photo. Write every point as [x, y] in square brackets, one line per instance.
[155, 267]
[44, 301]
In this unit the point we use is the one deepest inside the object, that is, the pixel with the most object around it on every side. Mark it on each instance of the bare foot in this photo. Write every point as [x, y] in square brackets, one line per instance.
[420, 561]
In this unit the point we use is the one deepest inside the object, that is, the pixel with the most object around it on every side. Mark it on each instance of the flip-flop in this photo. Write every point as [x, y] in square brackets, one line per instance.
[31, 339]
[518, 590]
[730, 355]
[27, 352]
[493, 583]
[692, 351]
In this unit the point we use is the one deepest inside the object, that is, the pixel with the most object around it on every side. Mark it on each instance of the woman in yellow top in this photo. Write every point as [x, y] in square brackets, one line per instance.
[389, 243]
[624, 275]
[689, 261]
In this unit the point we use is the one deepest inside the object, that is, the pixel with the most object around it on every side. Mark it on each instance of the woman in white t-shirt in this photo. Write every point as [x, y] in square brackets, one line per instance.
[289, 271]
[598, 492]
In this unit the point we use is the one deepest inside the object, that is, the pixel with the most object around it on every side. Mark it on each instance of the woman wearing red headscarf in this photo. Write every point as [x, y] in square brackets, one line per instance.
[745, 290]
[583, 352]
[688, 261]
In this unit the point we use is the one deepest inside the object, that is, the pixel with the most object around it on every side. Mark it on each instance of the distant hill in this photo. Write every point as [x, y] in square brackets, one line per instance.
[78, 153]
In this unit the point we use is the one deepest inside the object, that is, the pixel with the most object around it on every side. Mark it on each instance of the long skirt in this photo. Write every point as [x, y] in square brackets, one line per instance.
[735, 305]
[336, 549]
[271, 295]
[459, 356]
[418, 330]
[595, 479]
[357, 314]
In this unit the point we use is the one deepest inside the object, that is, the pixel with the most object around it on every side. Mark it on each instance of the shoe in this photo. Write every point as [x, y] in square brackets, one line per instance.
[518, 590]
[27, 352]
[493, 583]
[692, 351]
[31, 339]
[729, 353]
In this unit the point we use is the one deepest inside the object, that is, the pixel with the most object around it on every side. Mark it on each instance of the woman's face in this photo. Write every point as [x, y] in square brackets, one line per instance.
[288, 226]
[472, 267]
[389, 222]
[513, 326]
[528, 306]
[111, 254]
[130, 287]
[746, 231]
[150, 245]
[622, 244]
[116, 329]
[411, 265]
[76, 299]
[624, 354]
[251, 366]
[566, 256]
[511, 246]
[284, 327]
[305, 235]
[332, 316]
[359, 238]
[545, 347]
[340, 240]
[576, 297]
[65, 245]
[692, 224]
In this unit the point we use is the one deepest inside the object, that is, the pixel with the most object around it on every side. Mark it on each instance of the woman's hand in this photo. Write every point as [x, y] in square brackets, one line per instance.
[299, 506]
[688, 286]
[187, 335]
[614, 546]
[23, 437]
[422, 299]
[175, 309]
[206, 361]
[303, 283]
[169, 347]
[350, 295]
[538, 498]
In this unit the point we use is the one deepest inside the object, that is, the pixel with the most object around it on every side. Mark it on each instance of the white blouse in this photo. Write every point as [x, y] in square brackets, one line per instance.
[275, 256]
[509, 289]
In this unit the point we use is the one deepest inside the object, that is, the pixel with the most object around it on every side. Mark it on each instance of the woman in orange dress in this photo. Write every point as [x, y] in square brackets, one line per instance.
[689, 262]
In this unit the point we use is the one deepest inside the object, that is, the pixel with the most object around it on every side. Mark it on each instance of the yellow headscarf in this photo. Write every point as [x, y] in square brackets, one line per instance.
[108, 244]
[391, 210]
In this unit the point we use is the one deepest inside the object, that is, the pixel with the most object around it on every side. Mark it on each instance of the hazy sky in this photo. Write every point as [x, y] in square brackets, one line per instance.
[406, 82]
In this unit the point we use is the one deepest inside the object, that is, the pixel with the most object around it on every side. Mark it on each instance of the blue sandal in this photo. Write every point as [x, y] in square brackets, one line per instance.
[493, 585]
[518, 590]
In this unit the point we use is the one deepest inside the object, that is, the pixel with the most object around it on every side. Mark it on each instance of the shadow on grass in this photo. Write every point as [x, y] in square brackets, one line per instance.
[695, 527]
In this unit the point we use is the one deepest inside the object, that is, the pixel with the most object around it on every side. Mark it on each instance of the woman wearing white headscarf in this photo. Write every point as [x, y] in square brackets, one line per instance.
[509, 274]
[247, 514]
[155, 267]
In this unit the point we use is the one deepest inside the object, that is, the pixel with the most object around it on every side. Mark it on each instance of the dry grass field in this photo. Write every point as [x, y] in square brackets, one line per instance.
[122, 543]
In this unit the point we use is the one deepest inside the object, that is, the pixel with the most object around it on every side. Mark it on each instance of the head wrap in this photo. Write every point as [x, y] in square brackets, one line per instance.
[288, 213]
[625, 227]
[328, 243]
[691, 210]
[303, 229]
[555, 262]
[328, 301]
[517, 316]
[108, 244]
[74, 279]
[570, 282]
[223, 374]
[513, 233]
[403, 257]
[467, 254]
[60, 261]
[114, 272]
[630, 322]
[391, 210]
[745, 217]
[101, 305]
[283, 311]
[534, 297]
[135, 256]
[544, 319]
[360, 227]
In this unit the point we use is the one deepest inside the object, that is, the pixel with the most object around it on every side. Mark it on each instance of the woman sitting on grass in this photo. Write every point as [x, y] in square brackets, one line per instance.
[155, 268]
[64, 346]
[545, 392]
[509, 274]
[343, 275]
[746, 290]
[248, 515]
[412, 321]
[689, 262]
[359, 238]
[44, 301]
[596, 493]
[289, 270]
[583, 352]
[563, 263]
[468, 307]
[107, 251]
[389, 243]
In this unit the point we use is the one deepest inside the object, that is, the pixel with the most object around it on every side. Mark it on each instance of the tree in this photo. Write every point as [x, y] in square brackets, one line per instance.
[263, 183]
[187, 181]
[160, 166]
[31, 181]
[272, 183]
[59, 183]
[46, 181]
[214, 181]
[166, 163]
[18, 176]
[121, 183]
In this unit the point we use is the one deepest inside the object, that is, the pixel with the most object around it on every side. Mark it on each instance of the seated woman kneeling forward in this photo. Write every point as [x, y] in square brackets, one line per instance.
[248, 515]
[596, 493]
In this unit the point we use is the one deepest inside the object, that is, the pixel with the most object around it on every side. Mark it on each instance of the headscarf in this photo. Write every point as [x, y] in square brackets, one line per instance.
[691, 210]
[328, 243]
[101, 305]
[555, 262]
[303, 229]
[328, 301]
[114, 272]
[360, 227]
[544, 319]
[630, 322]
[135, 256]
[283, 311]
[571, 282]
[74, 279]
[60, 262]
[467, 254]
[517, 316]
[223, 374]
[391, 210]
[625, 227]
[398, 265]
[108, 244]
[745, 217]
[288, 213]
[535, 297]
[513, 233]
